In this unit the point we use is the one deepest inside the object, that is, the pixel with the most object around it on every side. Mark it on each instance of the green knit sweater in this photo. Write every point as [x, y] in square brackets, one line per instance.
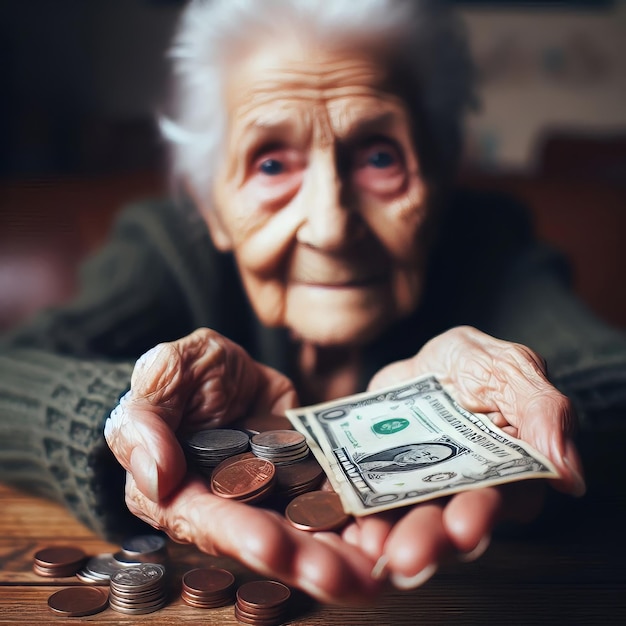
[159, 277]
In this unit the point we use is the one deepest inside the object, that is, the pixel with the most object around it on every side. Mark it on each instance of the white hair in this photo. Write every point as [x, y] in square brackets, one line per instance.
[422, 34]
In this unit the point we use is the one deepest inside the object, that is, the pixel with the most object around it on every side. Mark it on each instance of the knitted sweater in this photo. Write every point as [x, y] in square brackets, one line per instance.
[159, 277]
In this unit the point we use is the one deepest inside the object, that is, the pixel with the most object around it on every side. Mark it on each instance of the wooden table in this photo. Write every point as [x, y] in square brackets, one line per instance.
[571, 570]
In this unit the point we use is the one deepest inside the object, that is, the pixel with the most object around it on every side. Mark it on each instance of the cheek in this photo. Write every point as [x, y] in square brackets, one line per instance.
[399, 224]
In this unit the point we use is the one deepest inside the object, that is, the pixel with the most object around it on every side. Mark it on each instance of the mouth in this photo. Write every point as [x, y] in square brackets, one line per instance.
[345, 283]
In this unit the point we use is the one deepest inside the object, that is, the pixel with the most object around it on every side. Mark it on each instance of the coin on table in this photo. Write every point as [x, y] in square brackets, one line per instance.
[262, 602]
[98, 569]
[139, 578]
[208, 587]
[247, 480]
[78, 601]
[138, 590]
[316, 511]
[58, 561]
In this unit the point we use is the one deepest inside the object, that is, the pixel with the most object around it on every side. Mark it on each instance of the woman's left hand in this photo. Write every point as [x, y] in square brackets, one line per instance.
[507, 382]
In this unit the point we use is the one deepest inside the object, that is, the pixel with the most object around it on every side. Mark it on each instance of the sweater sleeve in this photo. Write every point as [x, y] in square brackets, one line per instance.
[63, 372]
[586, 357]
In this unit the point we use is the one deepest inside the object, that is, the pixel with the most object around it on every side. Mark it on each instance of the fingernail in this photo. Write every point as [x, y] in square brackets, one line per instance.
[412, 582]
[313, 590]
[477, 551]
[379, 571]
[145, 472]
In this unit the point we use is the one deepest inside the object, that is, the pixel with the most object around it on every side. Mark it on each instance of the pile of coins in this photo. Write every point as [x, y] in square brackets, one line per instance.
[141, 549]
[262, 603]
[138, 590]
[208, 588]
[274, 461]
[138, 587]
[58, 561]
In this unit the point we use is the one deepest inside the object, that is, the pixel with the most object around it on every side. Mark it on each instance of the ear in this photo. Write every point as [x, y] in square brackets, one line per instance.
[219, 235]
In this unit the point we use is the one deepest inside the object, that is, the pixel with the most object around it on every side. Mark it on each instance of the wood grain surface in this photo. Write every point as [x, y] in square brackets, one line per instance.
[568, 570]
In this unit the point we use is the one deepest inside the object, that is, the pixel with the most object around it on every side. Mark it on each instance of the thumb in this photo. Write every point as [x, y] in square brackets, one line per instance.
[146, 447]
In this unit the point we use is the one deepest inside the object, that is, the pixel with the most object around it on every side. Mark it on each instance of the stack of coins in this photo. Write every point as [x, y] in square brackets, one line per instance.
[78, 601]
[58, 561]
[262, 603]
[247, 478]
[143, 549]
[298, 478]
[280, 446]
[316, 511]
[206, 449]
[208, 588]
[99, 569]
[138, 590]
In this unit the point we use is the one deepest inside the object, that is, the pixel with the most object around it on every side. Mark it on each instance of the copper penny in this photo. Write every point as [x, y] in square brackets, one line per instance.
[262, 594]
[58, 561]
[257, 620]
[243, 479]
[208, 582]
[316, 511]
[233, 459]
[78, 601]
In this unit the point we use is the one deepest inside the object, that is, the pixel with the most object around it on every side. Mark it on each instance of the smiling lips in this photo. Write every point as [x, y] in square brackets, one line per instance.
[337, 271]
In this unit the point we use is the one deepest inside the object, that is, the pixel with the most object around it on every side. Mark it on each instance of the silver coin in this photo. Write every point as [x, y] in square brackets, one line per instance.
[86, 578]
[140, 577]
[278, 439]
[102, 566]
[217, 439]
[123, 560]
[138, 596]
[137, 610]
[145, 602]
[143, 544]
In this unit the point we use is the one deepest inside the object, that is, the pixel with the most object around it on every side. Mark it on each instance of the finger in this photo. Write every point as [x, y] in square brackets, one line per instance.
[469, 518]
[416, 546]
[203, 380]
[331, 571]
[373, 531]
[145, 446]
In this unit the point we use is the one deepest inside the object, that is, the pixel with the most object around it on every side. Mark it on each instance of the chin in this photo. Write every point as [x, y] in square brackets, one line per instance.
[339, 317]
[335, 333]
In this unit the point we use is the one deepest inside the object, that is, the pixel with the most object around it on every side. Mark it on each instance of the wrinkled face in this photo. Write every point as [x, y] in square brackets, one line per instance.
[320, 196]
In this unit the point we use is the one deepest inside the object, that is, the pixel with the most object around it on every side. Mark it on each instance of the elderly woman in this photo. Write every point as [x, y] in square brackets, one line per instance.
[320, 250]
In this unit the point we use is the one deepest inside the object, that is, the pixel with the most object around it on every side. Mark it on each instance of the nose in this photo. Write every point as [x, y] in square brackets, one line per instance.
[328, 223]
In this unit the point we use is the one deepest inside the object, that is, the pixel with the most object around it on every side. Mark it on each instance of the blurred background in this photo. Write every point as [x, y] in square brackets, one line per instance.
[82, 81]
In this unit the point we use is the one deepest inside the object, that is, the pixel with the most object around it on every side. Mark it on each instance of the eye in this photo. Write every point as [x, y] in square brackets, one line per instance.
[381, 159]
[271, 167]
[378, 167]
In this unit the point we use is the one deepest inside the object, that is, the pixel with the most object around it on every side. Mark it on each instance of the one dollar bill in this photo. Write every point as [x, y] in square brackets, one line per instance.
[410, 443]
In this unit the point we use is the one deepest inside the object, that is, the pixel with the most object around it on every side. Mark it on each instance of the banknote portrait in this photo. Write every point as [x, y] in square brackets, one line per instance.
[408, 457]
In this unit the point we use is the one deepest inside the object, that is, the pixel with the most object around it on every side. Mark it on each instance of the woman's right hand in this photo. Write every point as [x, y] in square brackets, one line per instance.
[205, 381]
